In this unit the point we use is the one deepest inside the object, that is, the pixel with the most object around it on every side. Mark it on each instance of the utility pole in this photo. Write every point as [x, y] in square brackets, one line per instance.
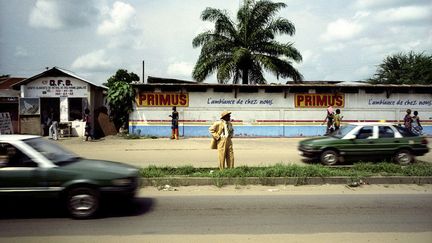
[143, 69]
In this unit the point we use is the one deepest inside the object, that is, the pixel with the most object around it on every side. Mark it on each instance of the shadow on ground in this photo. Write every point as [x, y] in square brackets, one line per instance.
[25, 208]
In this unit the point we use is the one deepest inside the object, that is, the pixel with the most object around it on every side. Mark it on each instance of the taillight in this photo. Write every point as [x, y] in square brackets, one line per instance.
[424, 141]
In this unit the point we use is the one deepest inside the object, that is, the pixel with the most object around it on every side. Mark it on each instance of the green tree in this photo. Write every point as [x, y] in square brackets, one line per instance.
[121, 96]
[404, 68]
[246, 48]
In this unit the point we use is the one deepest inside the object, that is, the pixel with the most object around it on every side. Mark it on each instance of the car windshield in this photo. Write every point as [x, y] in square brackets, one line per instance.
[51, 151]
[344, 130]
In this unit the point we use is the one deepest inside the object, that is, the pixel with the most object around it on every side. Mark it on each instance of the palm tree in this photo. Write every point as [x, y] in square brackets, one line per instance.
[243, 50]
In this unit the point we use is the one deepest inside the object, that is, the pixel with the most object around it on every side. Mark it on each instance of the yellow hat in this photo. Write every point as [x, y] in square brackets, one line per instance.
[225, 113]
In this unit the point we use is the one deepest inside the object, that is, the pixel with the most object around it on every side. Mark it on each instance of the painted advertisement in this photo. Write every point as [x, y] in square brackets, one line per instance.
[29, 106]
[5, 123]
[57, 87]
[240, 101]
[162, 99]
[319, 100]
[404, 102]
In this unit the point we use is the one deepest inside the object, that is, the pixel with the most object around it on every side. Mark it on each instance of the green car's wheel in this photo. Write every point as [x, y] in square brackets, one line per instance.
[329, 157]
[82, 202]
[403, 157]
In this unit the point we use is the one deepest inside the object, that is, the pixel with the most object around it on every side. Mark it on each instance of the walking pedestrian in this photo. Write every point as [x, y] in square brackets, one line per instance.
[222, 132]
[337, 120]
[174, 123]
[329, 119]
[408, 120]
[416, 126]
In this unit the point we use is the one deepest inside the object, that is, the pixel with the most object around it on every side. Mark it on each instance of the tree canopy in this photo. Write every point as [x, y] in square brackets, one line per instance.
[121, 96]
[404, 68]
[245, 49]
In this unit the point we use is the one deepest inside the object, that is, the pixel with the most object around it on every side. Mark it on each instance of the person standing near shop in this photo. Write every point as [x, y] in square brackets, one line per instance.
[87, 129]
[222, 132]
[53, 126]
[174, 123]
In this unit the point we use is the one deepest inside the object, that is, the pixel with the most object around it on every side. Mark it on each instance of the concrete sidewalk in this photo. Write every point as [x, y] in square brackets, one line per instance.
[190, 151]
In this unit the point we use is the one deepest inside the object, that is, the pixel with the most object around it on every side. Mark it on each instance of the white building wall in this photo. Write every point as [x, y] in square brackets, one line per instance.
[256, 110]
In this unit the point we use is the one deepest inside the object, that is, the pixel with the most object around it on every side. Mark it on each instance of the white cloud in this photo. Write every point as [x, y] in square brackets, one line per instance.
[62, 14]
[341, 29]
[374, 3]
[405, 14]
[45, 15]
[21, 52]
[94, 61]
[334, 47]
[183, 69]
[309, 56]
[120, 19]
[364, 72]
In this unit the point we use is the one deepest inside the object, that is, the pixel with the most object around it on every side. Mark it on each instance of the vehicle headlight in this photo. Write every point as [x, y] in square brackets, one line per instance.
[122, 182]
[309, 147]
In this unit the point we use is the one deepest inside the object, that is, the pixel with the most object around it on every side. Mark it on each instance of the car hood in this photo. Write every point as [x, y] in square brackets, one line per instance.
[101, 166]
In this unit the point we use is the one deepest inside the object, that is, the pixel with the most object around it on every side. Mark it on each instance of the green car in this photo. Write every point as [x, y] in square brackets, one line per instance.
[365, 141]
[31, 166]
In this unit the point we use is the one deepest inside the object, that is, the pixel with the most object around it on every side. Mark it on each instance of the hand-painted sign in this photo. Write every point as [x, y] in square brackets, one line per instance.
[241, 102]
[5, 123]
[57, 87]
[162, 99]
[319, 100]
[401, 102]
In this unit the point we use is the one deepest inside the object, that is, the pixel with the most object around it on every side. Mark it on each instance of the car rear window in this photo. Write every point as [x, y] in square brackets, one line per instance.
[405, 132]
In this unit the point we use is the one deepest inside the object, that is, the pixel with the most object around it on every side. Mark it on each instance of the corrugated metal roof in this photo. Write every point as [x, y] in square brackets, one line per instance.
[7, 83]
[58, 69]
[157, 81]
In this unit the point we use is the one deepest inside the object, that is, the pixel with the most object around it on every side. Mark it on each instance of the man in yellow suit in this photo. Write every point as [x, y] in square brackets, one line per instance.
[222, 131]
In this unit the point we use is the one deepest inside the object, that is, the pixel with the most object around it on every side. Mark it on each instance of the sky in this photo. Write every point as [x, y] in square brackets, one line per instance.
[343, 40]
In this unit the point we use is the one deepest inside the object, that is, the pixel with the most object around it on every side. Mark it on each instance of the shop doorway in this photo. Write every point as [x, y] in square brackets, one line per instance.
[76, 108]
[50, 111]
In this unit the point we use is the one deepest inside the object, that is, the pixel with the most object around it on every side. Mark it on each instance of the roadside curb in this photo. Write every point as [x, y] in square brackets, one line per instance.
[206, 181]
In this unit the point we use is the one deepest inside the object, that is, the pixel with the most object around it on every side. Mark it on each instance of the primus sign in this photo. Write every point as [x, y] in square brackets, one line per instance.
[319, 100]
[162, 99]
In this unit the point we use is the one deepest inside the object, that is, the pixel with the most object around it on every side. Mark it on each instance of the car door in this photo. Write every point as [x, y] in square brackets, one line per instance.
[363, 145]
[387, 141]
[18, 173]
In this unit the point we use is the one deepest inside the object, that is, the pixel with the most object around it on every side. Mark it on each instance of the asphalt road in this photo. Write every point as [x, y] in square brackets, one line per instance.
[231, 214]
[191, 151]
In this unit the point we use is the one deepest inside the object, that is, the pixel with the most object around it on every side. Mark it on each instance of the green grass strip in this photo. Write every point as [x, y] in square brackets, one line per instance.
[282, 170]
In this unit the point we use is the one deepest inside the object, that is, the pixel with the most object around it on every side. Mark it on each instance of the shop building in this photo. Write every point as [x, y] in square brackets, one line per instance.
[62, 96]
[280, 110]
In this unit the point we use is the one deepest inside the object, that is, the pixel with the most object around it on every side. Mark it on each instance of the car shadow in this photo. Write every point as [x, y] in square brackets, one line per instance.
[316, 161]
[25, 208]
